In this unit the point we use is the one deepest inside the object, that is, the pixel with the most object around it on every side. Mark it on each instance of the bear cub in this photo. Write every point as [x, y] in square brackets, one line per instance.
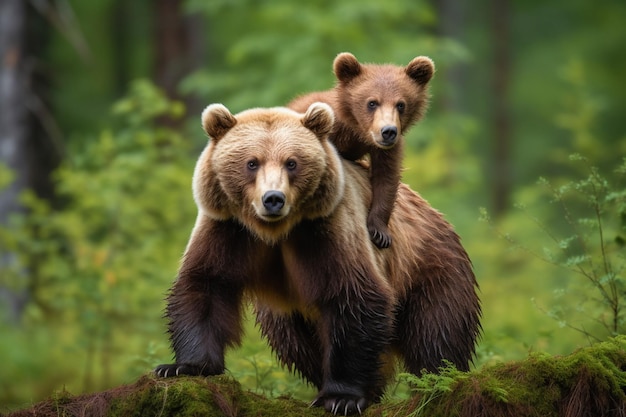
[374, 107]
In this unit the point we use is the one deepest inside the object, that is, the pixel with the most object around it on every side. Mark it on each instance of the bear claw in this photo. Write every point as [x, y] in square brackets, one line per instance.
[168, 371]
[381, 240]
[345, 406]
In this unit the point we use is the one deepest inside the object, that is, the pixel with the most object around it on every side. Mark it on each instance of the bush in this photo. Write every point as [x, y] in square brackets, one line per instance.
[96, 268]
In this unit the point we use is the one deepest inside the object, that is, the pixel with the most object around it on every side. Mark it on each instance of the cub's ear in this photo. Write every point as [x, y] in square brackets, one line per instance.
[346, 67]
[217, 120]
[421, 69]
[319, 119]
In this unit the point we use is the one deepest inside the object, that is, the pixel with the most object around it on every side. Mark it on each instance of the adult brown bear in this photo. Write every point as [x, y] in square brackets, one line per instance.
[282, 220]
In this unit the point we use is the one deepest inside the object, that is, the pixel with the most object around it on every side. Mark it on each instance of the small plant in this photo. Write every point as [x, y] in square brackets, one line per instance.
[430, 387]
[590, 247]
[594, 251]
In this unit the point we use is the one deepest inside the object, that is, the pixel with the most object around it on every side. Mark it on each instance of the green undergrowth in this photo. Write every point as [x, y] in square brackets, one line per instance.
[590, 381]
[181, 397]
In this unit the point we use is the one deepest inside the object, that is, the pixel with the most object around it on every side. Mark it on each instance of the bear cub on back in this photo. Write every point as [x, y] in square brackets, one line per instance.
[374, 106]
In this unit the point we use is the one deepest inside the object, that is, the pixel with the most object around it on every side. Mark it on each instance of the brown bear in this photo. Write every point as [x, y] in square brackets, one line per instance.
[374, 107]
[281, 220]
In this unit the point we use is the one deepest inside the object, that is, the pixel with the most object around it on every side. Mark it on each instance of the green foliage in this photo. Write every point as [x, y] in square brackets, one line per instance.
[6, 176]
[593, 251]
[431, 387]
[287, 48]
[583, 235]
[96, 269]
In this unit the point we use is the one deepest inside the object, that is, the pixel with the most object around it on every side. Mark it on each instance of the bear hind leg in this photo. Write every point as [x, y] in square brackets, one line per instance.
[430, 331]
[294, 340]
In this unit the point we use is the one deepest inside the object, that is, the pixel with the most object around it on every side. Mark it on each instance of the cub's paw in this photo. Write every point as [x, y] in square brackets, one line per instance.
[381, 238]
[341, 404]
[176, 369]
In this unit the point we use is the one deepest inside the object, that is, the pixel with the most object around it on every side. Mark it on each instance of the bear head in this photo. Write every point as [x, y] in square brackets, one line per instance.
[382, 100]
[268, 168]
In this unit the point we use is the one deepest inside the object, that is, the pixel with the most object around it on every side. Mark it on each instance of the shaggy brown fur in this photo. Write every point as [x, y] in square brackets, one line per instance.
[374, 106]
[282, 218]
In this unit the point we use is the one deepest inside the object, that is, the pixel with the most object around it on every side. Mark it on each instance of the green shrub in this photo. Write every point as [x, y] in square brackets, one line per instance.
[582, 234]
[96, 269]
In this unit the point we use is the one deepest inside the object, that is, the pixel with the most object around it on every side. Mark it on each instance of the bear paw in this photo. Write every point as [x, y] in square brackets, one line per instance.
[167, 371]
[341, 404]
[380, 238]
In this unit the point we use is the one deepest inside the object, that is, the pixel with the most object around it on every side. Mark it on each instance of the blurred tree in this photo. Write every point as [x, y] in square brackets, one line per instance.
[27, 131]
[179, 47]
[501, 178]
[452, 22]
[174, 43]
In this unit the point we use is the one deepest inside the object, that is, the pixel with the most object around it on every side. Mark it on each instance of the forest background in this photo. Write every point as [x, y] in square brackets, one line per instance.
[522, 149]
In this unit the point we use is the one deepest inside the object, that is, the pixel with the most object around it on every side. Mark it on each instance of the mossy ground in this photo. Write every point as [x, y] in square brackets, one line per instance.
[589, 382]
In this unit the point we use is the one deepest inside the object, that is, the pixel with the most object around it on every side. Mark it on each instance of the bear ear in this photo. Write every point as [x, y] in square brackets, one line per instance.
[421, 69]
[319, 118]
[217, 120]
[346, 67]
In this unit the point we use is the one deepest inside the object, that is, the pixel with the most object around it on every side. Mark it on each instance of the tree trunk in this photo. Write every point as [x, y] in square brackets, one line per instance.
[25, 148]
[179, 47]
[501, 186]
[452, 25]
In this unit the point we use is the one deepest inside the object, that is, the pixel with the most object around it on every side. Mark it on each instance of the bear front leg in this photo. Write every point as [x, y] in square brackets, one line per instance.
[204, 306]
[358, 329]
[204, 320]
[384, 178]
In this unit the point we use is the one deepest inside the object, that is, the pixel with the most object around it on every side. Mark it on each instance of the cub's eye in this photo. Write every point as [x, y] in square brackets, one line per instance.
[291, 164]
[400, 106]
[252, 164]
[372, 104]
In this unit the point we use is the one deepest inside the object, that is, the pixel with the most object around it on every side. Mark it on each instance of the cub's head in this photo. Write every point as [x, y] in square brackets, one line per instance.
[268, 168]
[382, 100]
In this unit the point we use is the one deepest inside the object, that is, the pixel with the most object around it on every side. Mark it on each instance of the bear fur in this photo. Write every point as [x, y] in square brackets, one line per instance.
[374, 107]
[281, 220]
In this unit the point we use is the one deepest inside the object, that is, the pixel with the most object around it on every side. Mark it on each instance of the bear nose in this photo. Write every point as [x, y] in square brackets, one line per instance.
[389, 134]
[273, 201]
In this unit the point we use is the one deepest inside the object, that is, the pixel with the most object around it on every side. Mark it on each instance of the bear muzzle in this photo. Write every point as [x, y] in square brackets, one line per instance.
[389, 134]
[274, 205]
[385, 127]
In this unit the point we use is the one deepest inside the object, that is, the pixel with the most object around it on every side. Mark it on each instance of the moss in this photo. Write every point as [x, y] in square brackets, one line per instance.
[187, 397]
[589, 382]
[181, 397]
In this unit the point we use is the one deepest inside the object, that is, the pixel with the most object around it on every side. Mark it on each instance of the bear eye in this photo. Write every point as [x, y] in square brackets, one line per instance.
[400, 106]
[372, 104]
[252, 164]
[291, 164]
